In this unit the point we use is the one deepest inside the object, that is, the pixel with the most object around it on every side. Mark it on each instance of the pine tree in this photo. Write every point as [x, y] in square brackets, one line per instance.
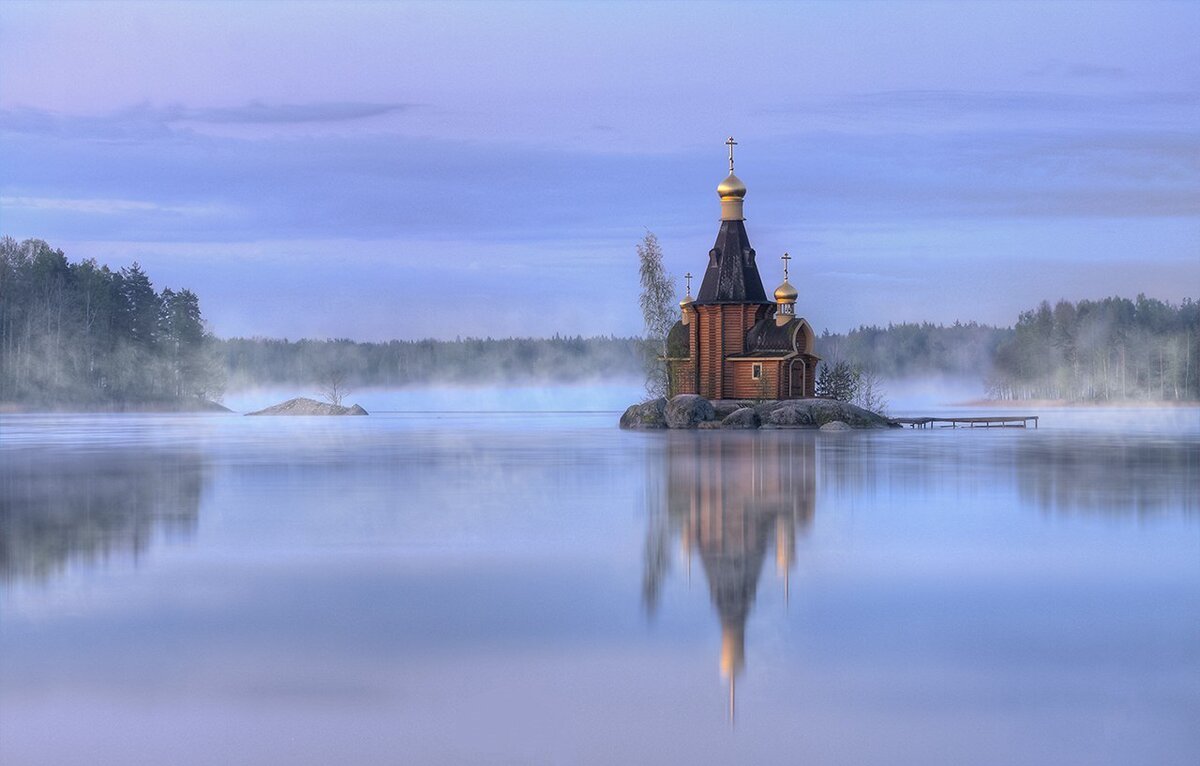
[841, 381]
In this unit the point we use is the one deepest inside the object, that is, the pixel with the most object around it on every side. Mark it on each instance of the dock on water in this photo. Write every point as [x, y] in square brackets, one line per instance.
[990, 421]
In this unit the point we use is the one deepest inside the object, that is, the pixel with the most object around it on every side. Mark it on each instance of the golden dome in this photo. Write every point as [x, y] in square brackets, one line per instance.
[687, 301]
[732, 186]
[785, 293]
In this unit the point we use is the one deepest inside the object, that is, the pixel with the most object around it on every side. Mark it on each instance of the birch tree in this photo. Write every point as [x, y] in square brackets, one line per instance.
[658, 297]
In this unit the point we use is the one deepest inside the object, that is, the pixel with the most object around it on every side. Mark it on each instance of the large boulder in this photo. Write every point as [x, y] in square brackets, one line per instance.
[650, 414]
[723, 408]
[688, 410]
[303, 406]
[793, 414]
[743, 417]
[828, 410]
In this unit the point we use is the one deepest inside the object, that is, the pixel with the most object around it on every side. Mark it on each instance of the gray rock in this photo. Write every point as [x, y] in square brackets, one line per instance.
[303, 406]
[836, 425]
[709, 425]
[723, 408]
[688, 410]
[828, 410]
[650, 414]
[800, 413]
[792, 414]
[743, 417]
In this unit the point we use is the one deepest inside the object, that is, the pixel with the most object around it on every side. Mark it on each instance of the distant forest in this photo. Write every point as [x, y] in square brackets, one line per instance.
[1112, 349]
[912, 350]
[1115, 349]
[82, 334]
[1108, 350]
[270, 362]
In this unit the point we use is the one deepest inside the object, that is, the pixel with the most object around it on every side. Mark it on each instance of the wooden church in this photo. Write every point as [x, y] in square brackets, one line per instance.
[731, 342]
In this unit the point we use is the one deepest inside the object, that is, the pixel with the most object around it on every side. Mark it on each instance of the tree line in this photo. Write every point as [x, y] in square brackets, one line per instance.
[1114, 349]
[910, 350]
[1105, 350]
[82, 334]
[397, 363]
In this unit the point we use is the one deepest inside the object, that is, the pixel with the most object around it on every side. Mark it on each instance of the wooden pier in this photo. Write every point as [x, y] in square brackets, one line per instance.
[991, 421]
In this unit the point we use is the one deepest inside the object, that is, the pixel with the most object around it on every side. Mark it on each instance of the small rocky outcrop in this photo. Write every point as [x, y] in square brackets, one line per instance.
[742, 417]
[650, 414]
[688, 411]
[303, 406]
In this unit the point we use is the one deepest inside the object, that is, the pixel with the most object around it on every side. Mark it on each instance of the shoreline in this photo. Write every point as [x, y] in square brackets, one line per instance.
[132, 408]
[1068, 404]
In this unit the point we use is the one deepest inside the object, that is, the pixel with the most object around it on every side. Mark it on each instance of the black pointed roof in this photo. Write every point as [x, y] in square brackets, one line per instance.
[732, 275]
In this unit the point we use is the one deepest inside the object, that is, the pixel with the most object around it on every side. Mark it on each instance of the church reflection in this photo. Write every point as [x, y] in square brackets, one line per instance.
[730, 501]
[61, 510]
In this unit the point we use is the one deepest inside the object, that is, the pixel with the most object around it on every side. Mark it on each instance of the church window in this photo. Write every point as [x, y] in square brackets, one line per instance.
[756, 371]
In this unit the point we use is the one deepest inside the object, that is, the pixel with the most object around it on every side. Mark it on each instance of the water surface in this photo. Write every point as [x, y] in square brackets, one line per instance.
[544, 588]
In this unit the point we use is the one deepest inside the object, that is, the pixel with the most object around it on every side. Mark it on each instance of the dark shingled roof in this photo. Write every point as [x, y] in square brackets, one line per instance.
[765, 335]
[732, 276]
[677, 341]
[766, 338]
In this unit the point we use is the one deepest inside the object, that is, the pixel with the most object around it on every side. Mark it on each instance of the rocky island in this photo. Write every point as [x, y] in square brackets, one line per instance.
[304, 406]
[693, 411]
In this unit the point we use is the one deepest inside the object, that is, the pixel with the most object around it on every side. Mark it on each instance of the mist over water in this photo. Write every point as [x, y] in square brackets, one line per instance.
[608, 396]
[543, 587]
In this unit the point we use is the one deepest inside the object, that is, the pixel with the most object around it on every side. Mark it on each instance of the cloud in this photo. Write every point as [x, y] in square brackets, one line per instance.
[96, 206]
[1058, 68]
[257, 112]
[78, 183]
[149, 122]
[945, 110]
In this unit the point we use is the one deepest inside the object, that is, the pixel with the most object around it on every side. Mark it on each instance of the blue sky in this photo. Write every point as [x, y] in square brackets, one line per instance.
[387, 170]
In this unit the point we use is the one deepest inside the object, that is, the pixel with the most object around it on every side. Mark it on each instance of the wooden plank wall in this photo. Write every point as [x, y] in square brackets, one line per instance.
[746, 387]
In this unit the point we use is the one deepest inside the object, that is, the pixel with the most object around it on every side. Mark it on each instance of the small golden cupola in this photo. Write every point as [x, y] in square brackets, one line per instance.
[785, 296]
[731, 191]
[685, 306]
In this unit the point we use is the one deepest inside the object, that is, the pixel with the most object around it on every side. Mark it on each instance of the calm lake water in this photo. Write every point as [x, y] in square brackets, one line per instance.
[547, 589]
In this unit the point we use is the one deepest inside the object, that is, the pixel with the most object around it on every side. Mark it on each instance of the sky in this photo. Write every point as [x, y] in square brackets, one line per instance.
[408, 170]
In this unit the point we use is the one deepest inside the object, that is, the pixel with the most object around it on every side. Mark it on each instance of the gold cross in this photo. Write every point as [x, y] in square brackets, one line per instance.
[730, 143]
[688, 277]
[785, 258]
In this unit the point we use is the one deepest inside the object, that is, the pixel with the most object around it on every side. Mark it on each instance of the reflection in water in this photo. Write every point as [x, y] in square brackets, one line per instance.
[1113, 477]
[59, 510]
[460, 590]
[727, 499]
[1101, 474]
